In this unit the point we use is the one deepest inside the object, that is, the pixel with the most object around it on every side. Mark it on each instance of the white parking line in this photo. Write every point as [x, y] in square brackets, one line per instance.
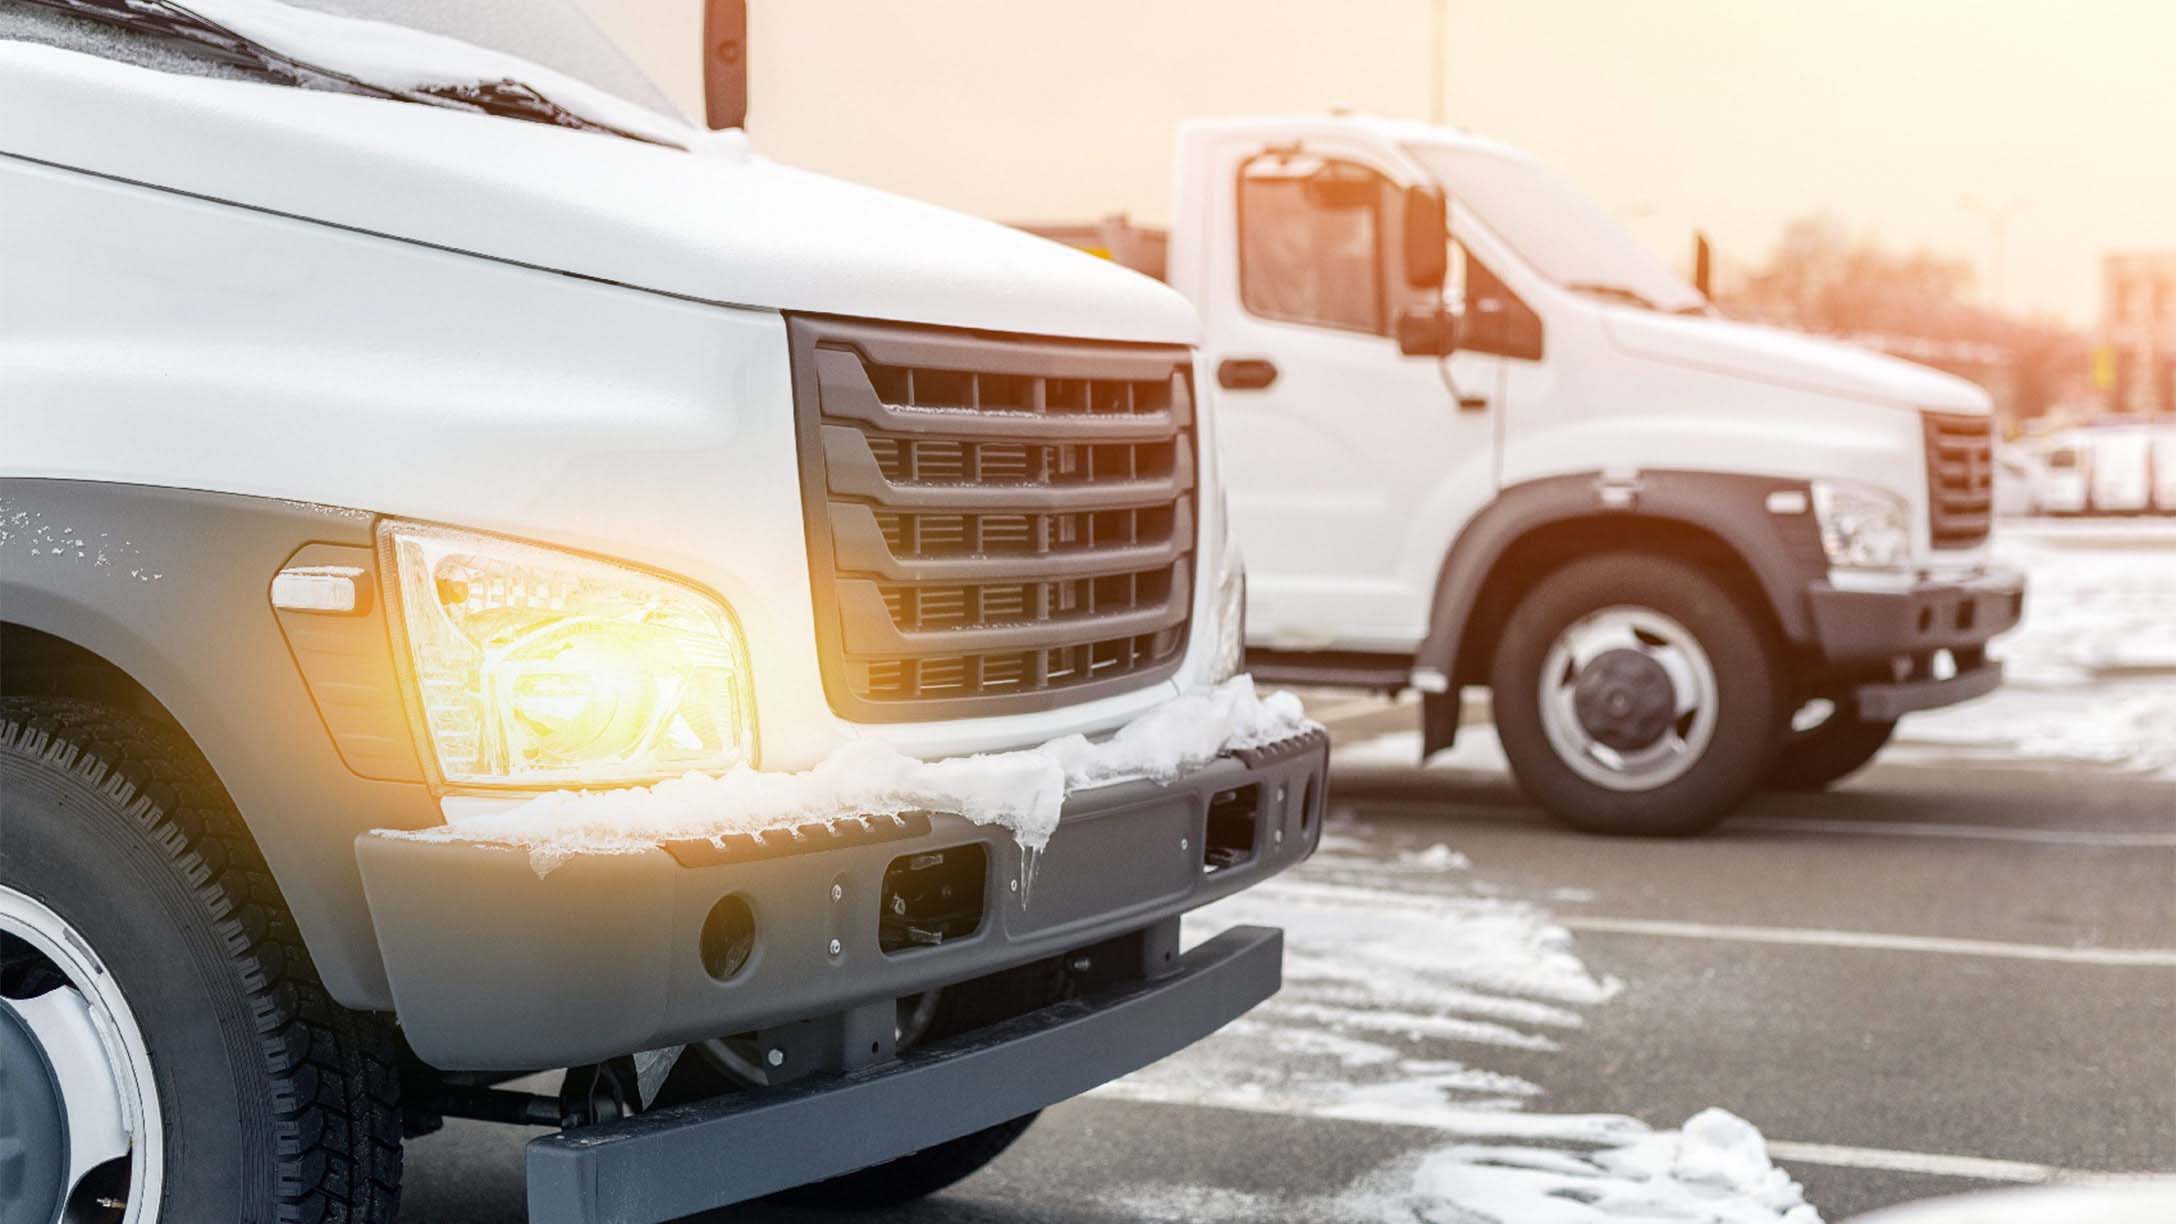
[1517, 1124]
[1924, 828]
[1977, 1168]
[1874, 941]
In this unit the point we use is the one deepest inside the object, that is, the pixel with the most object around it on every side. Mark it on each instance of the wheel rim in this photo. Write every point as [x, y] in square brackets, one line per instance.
[73, 1043]
[1628, 698]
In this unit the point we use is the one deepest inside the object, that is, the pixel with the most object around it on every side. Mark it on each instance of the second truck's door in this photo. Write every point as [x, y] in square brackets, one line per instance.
[1349, 464]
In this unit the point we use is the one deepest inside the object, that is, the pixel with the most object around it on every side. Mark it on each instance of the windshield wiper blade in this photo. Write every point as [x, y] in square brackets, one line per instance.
[512, 99]
[1615, 293]
[506, 97]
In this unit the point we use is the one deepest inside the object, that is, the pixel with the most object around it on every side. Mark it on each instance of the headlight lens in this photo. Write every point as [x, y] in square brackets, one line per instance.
[534, 667]
[1862, 527]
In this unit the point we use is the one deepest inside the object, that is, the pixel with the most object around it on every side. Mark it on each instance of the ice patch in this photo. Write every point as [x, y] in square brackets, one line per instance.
[1020, 791]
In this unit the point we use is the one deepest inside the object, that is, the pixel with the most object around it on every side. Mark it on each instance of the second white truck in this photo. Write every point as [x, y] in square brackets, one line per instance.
[1475, 435]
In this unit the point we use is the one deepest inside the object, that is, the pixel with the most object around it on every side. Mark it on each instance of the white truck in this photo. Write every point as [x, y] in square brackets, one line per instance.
[495, 578]
[1476, 435]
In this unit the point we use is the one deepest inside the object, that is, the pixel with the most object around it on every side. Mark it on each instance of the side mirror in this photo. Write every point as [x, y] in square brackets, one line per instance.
[1427, 238]
[725, 63]
[1427, 331]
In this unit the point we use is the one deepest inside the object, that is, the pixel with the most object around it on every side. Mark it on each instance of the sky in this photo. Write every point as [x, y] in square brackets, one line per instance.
[1925, 123]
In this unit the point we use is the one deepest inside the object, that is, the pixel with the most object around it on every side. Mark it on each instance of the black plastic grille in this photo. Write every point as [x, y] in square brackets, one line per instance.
[1960, 477]
[996, 523]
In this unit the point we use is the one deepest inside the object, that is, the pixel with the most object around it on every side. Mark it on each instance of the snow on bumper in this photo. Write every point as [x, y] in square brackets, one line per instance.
[494, 966]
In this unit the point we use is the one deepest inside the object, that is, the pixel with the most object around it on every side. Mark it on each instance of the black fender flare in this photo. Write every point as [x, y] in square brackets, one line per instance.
[172, 587]
[1782, 550]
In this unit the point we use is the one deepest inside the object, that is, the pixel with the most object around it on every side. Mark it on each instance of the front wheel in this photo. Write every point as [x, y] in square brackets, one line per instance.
[1838, 746]
[1635, 694]
[167, 1053]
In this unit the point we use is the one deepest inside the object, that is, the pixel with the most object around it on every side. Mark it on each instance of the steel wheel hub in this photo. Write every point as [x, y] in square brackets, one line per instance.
[1628, 698]
[80, 1126]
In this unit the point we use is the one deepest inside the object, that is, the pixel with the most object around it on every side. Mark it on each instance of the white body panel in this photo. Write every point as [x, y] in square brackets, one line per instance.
[2164, 468]
[1352, 478]
[257, 290]
[2120, 477]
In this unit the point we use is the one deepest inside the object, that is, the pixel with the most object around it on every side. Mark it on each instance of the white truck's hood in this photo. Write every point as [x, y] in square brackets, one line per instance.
[1791, 359]
[716, 224]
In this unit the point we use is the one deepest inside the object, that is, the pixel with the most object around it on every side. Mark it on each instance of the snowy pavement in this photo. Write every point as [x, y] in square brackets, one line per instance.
[1957, 971]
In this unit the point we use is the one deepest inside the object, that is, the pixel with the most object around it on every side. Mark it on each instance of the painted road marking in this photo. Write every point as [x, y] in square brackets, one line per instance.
[1518, 1124]
[1925, 828]
[1873, 941]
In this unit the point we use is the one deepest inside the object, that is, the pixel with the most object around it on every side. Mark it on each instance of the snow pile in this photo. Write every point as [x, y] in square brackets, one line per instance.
[1022, 791]
[1715, 1170]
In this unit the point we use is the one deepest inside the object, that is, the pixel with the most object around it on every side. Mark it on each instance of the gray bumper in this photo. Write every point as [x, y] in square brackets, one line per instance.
[1862, 631]
[494, 968]
[677, 1161]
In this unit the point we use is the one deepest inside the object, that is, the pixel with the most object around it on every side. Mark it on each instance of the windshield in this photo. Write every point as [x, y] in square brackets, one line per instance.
[538, 60]
[1556, 229]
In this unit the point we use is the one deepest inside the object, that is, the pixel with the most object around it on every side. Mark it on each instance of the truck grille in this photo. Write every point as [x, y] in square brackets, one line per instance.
[996, 524]
[1960, 477]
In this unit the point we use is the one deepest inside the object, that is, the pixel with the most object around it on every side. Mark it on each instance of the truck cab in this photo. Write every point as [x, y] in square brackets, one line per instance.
[1475, 435]
[497, 579]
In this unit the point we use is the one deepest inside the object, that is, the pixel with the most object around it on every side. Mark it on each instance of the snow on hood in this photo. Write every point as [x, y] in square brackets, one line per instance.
[713, 223]
[1022, 791]
[1790, 359]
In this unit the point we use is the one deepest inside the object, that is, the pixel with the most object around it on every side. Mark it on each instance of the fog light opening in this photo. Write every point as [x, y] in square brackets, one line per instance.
[728, 938]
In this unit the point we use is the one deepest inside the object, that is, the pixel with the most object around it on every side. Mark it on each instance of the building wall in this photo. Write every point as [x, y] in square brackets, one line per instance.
[2138, 331]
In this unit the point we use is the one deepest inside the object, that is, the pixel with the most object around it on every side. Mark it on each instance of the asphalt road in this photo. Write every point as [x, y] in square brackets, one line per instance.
[1887, 979]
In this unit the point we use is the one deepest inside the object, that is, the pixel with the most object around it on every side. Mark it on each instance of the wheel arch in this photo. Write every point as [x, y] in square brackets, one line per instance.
[1720, 521]
[156, 601]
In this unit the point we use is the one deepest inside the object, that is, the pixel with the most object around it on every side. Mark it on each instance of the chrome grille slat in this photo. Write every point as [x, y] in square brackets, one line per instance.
[1960, 456]
[996, 523]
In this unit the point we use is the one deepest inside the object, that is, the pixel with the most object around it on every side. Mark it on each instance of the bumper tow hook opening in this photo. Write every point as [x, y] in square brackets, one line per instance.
[1230, 841]
[932, 897]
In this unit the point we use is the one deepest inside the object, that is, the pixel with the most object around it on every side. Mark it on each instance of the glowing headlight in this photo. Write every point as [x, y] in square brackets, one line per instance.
[534, 667]
[1230, 609]
[1862, 527]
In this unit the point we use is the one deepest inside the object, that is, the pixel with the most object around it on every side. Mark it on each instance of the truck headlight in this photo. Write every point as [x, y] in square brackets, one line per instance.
[534, 667]
[1862, 527]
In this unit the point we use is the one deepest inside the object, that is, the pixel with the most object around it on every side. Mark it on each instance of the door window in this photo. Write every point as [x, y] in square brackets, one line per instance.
[1310, 241]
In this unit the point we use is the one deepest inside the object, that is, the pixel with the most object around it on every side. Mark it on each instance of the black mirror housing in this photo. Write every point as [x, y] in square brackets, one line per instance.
[725, 63]
[1427, 331]
[1427, 238]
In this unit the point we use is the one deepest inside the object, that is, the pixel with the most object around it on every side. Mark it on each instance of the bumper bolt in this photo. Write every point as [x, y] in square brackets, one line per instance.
[838, 893]
[835, 945]
[776, 1057]
[1014, 885]
[1184, 845]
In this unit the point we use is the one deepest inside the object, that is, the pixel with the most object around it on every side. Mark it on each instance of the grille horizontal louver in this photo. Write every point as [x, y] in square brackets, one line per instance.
[1960, 478]
[996, 524]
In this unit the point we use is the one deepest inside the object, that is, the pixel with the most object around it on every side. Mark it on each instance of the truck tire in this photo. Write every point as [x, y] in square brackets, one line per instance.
[133, 900]
[1830, 751]
[1635, 694]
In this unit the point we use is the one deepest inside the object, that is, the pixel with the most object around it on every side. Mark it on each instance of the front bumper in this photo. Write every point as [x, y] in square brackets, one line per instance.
[1903, 630]
[684, 1159]
[495, 968]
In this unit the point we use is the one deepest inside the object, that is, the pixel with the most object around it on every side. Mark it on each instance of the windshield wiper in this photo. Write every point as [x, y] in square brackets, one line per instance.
[174, 23]
[1632, 297]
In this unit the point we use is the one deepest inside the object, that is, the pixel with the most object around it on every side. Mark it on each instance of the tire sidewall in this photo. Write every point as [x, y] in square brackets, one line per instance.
[1748, 715]
[68, 844]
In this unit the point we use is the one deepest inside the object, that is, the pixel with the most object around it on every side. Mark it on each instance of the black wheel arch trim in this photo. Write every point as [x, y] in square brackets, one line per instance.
[1780, 551]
